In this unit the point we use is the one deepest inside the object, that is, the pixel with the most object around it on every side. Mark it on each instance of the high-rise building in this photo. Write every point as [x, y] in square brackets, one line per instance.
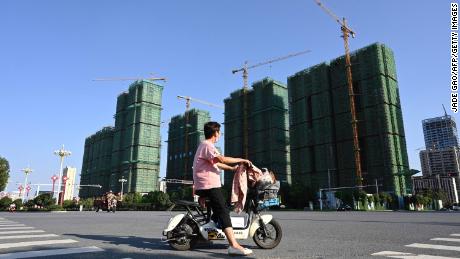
[442, 154]
[136, 141]
[70, 173]
[96, 167]
[183, 141]
[268, 127]
[443, 161]
[131, 149]
[447, 184]
[322, 150]
[440, 132]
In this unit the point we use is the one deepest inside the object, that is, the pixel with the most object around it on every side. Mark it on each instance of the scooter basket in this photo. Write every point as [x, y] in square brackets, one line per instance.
[270, 194]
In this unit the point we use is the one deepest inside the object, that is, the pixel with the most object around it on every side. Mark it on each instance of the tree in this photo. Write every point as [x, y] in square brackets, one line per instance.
[18, 203]
[4, 173]
[5, 202]
[44, 200]
[132, 197]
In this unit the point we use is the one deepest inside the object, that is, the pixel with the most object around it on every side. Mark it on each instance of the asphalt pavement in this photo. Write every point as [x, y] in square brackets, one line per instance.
[305, 235]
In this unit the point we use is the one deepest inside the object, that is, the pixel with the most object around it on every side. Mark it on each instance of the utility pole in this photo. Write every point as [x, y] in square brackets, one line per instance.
[62, 153]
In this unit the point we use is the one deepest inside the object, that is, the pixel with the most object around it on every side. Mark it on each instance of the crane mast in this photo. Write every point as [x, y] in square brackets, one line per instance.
[346, 31]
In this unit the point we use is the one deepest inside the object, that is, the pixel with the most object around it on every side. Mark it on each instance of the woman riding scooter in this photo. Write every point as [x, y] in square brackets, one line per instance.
[207, 164]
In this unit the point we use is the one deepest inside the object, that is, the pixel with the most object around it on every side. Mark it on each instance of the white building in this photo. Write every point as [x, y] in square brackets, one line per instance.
[70, 173]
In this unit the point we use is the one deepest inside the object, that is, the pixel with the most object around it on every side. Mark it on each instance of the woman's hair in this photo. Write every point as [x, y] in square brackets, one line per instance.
[210, 128]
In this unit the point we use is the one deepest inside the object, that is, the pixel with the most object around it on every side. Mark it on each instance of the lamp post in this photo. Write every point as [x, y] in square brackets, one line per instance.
[54, 178]
[61, 153]
[27, 171]
[64, 179]
[28, 189]
[122, 181]
[20, 188]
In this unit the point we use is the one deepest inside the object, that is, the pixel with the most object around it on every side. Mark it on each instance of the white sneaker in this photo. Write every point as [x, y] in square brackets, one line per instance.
[234, 251]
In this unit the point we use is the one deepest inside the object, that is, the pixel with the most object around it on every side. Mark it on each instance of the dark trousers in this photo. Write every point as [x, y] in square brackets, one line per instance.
[219, 209]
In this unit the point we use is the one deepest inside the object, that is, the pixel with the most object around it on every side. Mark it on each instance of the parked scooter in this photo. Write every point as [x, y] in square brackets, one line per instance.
[183, 231]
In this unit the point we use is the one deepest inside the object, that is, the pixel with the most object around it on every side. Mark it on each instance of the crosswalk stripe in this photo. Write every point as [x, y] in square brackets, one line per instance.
[439, 247]
[37, 243]
[12, 225]
[390, 253]
[51, 252]
[27, 236]
[15, 228]
[401, 255]
[455, 235]
[8, 221]
[446, 239]
[20, 232]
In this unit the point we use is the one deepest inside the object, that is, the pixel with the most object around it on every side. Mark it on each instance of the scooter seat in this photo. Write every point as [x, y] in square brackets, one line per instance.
[186, 203]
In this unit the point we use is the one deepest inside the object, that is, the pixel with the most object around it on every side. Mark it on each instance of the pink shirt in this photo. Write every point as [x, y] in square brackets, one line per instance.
[206, 174]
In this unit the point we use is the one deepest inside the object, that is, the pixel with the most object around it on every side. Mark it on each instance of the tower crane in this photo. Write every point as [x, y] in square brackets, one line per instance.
[245, 69]
[188, 99]
[346, 31]
[131, 79]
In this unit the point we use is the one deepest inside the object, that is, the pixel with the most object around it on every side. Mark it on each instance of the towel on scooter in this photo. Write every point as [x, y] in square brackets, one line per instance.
[243, 178]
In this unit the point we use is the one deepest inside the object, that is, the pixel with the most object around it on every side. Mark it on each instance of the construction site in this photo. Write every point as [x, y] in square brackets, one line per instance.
[327, 128]
[322, 139]
[130, 150]
[184, 136]
[265, 138]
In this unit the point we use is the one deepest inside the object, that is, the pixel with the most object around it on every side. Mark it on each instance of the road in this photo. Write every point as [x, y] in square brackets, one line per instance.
[305, 235]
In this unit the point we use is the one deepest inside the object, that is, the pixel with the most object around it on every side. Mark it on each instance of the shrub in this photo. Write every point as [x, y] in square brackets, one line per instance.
[5, 203]
[44, 200]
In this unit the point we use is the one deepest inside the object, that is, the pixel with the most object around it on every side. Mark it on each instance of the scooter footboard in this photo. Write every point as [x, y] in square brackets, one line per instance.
[256, 224]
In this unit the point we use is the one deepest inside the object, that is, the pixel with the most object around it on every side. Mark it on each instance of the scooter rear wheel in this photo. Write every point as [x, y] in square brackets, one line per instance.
[272, 238]
[185, 239]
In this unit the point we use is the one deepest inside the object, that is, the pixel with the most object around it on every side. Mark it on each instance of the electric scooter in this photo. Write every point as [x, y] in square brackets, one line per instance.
[183, 231]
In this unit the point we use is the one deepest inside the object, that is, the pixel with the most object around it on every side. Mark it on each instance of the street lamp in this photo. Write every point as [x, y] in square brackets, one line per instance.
[122, 181]
[27, 171]
[61, 153]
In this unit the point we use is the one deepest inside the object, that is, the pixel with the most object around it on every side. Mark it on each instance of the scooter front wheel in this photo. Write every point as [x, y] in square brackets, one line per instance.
[269, 237]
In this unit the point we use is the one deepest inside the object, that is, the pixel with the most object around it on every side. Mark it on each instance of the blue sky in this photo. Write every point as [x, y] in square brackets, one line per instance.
[51, 50]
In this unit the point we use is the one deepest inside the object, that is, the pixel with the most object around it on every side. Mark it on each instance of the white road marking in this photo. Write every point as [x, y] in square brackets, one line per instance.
[51, 252]
[16, 228]
[401, 255]
[455, 235]
[27, 236]
[3, 222]
[20, 232]
[37, 243]
[439, 247]
[12, 225]
[390, 253]
[446, 239]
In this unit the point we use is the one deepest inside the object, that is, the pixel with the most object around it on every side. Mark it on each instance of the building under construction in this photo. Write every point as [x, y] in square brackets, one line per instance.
[267, 127]
[183, 140]
[131, 149]
[321, 136]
